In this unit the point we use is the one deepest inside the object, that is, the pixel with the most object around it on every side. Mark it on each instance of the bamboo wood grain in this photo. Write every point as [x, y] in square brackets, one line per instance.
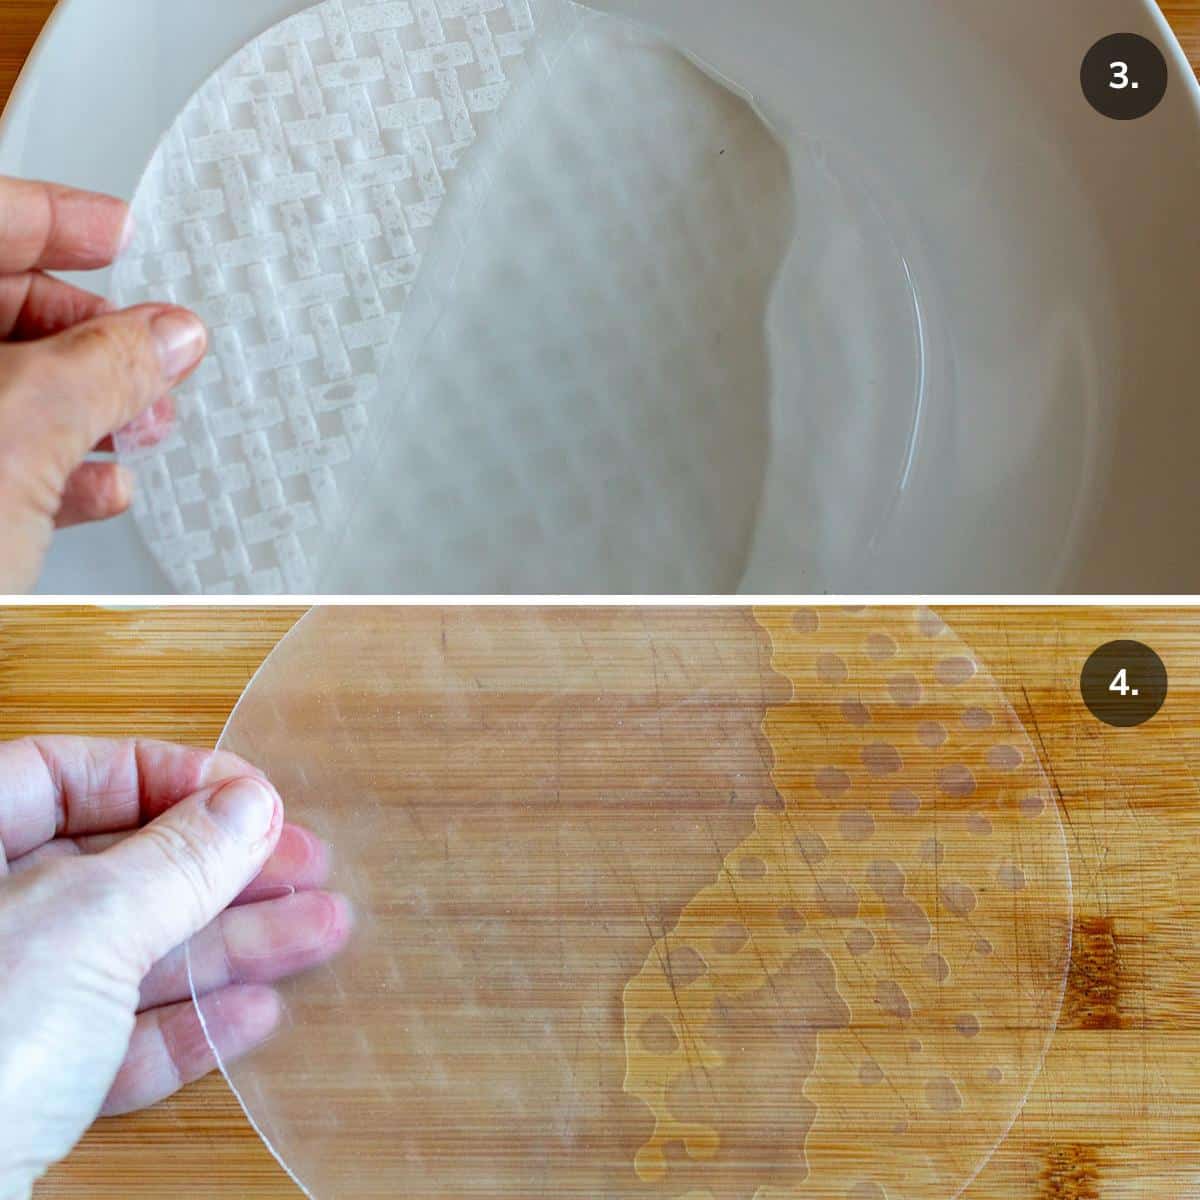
[1116, 1111]
[1184, 16]
[20, 23]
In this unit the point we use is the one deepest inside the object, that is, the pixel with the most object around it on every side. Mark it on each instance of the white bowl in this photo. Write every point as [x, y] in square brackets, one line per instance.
[981, 340]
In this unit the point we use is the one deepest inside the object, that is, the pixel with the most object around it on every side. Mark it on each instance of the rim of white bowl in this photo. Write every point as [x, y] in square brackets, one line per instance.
[41, 47]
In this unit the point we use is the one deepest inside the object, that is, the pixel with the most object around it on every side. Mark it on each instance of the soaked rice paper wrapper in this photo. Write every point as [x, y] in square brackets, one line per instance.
[507, 296]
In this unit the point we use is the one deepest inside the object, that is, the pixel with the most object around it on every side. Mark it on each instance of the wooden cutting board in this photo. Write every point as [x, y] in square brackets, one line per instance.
[1115, 1111]
[1184, 16]
[21, 21]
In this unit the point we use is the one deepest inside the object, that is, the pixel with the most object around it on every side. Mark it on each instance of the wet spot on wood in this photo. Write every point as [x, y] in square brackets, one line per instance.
[812, 848]
[932, 734]
[792, 918]
[952, 672]
[832, 782]
[881, 758]
[936, 967]
[891, 997]
[731, 938]
[870, 1073]
[967, 1025]
[959, 898]
[943, 1095]
[956, 781]
[860, 941]
[752, 868]
[806, 620]
[837, 898]
[905, 690]
[684, 966]
[881, 647]
[657, 1035]
[831, 669]
[857, 825]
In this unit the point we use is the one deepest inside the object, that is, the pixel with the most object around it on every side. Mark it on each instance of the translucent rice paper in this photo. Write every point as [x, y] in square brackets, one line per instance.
[678, 904]
[493, 293]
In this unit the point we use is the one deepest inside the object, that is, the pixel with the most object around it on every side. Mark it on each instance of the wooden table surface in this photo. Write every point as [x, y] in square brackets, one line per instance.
[21, 21]
[1116, 1111]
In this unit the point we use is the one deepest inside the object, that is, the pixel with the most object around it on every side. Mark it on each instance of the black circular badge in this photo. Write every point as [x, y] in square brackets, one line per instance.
[1124, 684]
[1125, 76]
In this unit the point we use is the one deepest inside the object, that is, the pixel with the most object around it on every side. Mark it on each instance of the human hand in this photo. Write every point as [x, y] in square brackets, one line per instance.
[112, 856]
[72, 371]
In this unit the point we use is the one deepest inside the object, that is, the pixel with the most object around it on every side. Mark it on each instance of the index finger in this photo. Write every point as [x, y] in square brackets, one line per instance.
[67, 786]
[48, 227]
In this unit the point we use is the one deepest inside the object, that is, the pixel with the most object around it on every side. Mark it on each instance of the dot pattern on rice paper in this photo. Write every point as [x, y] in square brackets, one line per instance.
[919, 854]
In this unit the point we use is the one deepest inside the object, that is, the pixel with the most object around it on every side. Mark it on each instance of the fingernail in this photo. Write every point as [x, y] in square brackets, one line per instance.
[244, 808]
[181, 340]
[122, 489]
[279, 891]
[127, 234]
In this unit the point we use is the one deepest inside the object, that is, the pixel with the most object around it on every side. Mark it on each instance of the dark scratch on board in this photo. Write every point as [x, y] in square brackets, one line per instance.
[1047, 762]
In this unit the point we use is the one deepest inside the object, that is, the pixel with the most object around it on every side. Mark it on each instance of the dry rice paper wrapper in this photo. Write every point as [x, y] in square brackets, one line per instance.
[684, 905]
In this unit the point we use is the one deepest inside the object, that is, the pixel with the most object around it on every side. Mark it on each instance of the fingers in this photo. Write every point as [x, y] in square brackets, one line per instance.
[299, 863]
[61, 848]
[95, 378]
[54, 228]
[68, 786]
[169, 880]
[169, 1048]
[34, 305]
[95, 491]
[148, 428]
[257, 943]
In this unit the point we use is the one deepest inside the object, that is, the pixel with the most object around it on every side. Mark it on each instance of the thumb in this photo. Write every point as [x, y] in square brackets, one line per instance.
[94, 378]
[169, 880]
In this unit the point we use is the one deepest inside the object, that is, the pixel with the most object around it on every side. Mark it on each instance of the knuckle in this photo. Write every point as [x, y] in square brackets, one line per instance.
[107, 363]
[188, 858]
[107, 346]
